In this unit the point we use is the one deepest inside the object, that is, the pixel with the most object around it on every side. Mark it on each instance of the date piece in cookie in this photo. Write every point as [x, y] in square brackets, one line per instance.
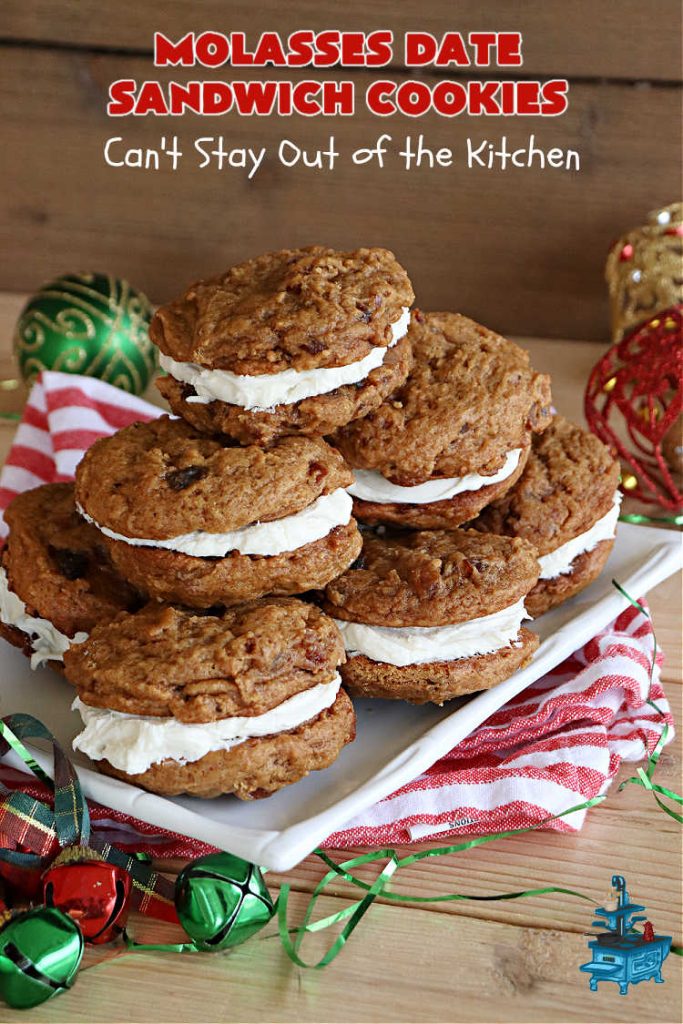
[431, 615]
[455, 436]
[202, 522]
[245, 701]
[299, 341]
[56, 580]
[566, 503]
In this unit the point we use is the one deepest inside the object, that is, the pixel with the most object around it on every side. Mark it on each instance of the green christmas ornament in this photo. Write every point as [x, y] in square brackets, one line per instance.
[93, 324]
[222, 901]
[40, 953]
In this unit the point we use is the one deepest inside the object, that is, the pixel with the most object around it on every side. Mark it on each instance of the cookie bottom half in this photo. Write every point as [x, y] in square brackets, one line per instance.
[585, 568]
[436, 515]
[315, 416]
[204, 582]
[437, 681]
[257, 767]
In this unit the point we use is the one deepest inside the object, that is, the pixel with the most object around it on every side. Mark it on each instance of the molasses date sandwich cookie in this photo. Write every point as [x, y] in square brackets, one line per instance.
[431, 615]
[202, 521]
[294, 342]
[455, 436]
[56, 581]
[566, 503]
[243, 701]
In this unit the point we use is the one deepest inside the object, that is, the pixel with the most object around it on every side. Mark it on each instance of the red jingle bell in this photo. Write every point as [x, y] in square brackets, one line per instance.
[95, 894]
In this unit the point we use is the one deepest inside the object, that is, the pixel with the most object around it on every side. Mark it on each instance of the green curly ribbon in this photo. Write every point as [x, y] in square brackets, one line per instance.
[635, 517]
[379, 888]
[292, 938]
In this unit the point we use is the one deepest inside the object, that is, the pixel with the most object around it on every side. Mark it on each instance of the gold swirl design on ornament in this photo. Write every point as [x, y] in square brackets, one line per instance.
[30, 336]
[71, 360]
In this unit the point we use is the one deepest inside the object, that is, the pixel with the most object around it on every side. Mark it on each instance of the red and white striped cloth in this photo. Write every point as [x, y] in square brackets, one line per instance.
[554, 746]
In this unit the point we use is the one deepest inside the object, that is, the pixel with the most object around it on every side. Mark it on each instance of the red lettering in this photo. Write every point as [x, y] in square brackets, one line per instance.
[482, 99]
[327, 46]
[509, 49]
[255, 97]
[528, 101]
[380, 48]
[450, 98]
[166, 52]
[452, 51]
[482, 42]
[420, 49]
[121, 97]
[300, 48]
[377, 98]
[151, 99]
[555, 98]
[212, 49]
[217, 98]
[269, 51]
[413, 98]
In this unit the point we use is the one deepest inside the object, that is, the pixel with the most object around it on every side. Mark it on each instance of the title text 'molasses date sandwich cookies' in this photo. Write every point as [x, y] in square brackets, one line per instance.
[56, 580]
[566, 503]
[245, 700]
[299, 341]
[455, 436]
[427, 616]
[202, 521]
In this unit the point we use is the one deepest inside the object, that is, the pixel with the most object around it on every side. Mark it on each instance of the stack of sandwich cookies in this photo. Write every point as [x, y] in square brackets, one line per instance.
[566, 503]
[294, 342]
[431, 615]
[455, 436]
[243, 701]
[56, 581]
[200, 521]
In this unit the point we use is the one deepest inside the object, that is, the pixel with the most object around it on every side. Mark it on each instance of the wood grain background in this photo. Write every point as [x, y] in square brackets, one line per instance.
[522, 250]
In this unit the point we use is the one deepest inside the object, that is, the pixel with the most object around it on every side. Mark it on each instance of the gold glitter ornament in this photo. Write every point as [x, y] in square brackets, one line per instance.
[644, 270]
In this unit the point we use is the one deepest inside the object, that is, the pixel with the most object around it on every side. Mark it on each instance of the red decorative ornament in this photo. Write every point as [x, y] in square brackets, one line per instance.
[634, 397]
[95, 894]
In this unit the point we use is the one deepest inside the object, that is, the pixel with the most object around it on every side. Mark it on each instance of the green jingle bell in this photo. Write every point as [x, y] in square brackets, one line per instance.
[40, 953]
[222, 900]
[93, 324]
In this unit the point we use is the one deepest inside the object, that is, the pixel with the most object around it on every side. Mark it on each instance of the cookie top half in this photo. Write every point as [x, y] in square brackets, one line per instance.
[56, 562]
[160, 479]
[432, 578]
[298, 309]
[470, 398]
[568, 483]
[200, 667]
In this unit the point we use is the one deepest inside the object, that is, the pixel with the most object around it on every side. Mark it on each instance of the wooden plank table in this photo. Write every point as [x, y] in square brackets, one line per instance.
[506, 961]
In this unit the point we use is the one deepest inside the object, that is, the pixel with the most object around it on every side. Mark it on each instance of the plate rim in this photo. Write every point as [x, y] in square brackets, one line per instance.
[282, 849]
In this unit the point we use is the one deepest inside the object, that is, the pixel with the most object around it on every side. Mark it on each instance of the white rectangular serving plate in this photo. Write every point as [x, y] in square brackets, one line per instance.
[394, 744]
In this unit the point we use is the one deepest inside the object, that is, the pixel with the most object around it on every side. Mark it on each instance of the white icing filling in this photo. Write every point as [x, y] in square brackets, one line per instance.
[46, 640]
[133, 743]
[416, 645]
[558, 562]
[274, 538]
[264, 391]
[370, 485]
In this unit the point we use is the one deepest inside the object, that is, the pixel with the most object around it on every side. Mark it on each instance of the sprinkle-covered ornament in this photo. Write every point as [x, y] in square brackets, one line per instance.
[93, 324]
[643, 270]
[91, 891]
[40, 953]
[222, 901]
